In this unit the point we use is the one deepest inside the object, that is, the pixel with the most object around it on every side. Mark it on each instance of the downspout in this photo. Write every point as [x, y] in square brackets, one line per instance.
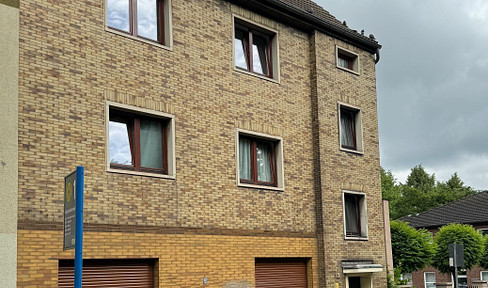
[377, 56]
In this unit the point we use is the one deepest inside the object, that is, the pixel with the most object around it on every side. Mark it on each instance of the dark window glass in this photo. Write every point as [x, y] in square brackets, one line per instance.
[354, 282]
[348, 129]
[353, 214]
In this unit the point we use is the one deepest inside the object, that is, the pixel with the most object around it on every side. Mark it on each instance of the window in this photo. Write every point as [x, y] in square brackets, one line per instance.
[143, 19]
[483, 231]
[406, 279]
[484, 275]
[462, 279]
[139, 142]
[254, 49]
[429, 279]
[355, 215]
[347, 60]
[350, 128]
[259, 160]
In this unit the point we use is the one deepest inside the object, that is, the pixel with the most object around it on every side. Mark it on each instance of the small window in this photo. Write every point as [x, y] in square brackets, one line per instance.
[406, 279]
[254, 49]
[144, 19]
[347, 60]
[140, 142]
[355, 215]
[429, 279]
[462, 279]
[483, 231]
[259, 160]
[350, 126]
[484, 275]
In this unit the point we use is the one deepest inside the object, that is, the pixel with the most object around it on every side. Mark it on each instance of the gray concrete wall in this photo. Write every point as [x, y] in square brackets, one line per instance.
[9, 63]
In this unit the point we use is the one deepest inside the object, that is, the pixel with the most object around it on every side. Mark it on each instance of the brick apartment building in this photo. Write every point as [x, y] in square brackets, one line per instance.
[470, 210]
[231, 141]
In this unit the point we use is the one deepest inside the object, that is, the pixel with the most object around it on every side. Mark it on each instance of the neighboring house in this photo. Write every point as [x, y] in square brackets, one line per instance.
[469, 210]
[225, 144]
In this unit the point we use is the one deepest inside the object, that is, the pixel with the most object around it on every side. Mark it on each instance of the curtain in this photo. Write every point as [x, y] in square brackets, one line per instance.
[260, 63]
[344, 62]
[352, 217]
[245, 158]
[151, 144]
[347, 132]
[263, 155]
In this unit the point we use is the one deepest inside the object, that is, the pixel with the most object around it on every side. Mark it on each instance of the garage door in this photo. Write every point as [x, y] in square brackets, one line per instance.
[280, 273]
[109, 273]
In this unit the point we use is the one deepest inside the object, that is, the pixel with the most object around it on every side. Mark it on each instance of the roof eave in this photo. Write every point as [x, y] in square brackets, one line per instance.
[305, 21]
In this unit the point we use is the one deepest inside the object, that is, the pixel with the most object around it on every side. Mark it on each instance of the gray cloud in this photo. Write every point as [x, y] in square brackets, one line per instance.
[432, 83]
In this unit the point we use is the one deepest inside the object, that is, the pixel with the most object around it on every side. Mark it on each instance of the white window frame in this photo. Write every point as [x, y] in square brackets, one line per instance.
[363, 215]
[275, 51]
[170, 134]
[350, 54]
[280, 174]
[366, 279]
[481, 275]
[407, 276]
[168, 27]
[425, 279]
[358, 122]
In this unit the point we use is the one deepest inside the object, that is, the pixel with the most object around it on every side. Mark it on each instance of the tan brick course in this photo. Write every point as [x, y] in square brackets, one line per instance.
[183, 259]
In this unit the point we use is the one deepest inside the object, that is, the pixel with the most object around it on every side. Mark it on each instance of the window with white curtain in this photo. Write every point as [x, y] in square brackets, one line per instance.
[347, 60]
[140, 142]
[350, 128]
[259, 160]
[355, 215]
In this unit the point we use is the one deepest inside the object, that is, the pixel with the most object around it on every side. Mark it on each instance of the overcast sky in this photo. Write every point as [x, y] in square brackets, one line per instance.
[432, 83]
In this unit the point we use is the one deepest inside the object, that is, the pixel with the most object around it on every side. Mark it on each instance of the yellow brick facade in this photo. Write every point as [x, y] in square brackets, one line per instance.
[183, 259]
[201, 223]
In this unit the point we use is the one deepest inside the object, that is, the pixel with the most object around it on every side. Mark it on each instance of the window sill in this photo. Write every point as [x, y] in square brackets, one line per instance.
[352, 151]
[256, 75]
[120, 33]
[262, 187]
[348, 70]
[145, 174]
[356, 238]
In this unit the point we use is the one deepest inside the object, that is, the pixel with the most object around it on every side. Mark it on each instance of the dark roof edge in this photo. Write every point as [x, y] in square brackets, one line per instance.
[324, 26]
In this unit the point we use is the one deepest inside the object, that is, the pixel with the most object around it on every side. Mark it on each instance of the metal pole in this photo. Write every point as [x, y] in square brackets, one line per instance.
[80, 172]
[455, 267]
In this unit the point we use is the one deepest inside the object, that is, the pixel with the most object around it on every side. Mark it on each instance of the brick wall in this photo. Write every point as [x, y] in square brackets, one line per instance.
[184, 259]
[70, 66]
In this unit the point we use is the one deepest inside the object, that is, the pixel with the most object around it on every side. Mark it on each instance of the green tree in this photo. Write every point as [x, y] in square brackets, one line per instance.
[484, 258]
[461, 234]
[420, 192]
[420, 179]
[412, 249]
